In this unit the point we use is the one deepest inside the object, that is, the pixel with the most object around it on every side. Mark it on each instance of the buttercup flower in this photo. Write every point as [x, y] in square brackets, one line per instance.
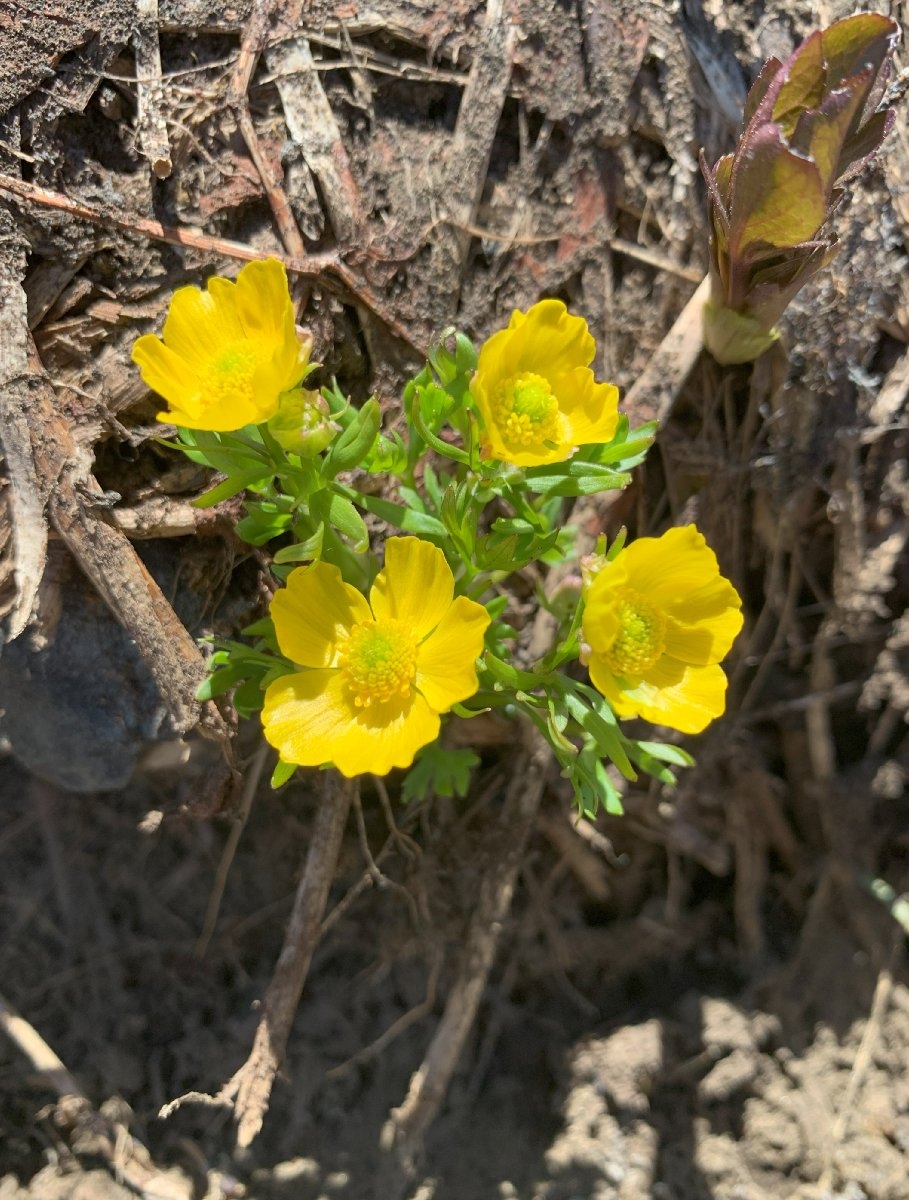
[375, 676]
[227, 353]
[658, 620]
[536, 392]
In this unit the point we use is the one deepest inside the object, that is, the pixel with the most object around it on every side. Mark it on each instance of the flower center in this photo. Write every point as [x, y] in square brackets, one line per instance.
[526, 412]
[379, 661]
[641, 638]
[229, 375]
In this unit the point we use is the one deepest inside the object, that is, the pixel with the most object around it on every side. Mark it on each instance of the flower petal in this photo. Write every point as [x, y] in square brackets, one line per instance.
[200, 325]
[679, 573]
[592, 408]
[264, 305]
[706, 642]
[416, 585]
[303, 715]
[549, 341]
[310, 719]
[164, 371]
[600, 622]
[688, 700]
[446, 661]
[313, 612]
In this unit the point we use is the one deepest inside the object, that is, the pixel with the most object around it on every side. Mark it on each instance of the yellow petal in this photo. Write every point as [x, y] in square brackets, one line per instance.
[313, 612]
[550, 341]
[263, 302]
[679, 573]
[446, 661]
[199, 325]
[310, 719]
[304, 715]
[387, 735]
[591, 407]
[679, 696]
[164, 371]
[600, 622]
[706, 642]
[610, 688]
[415, 587]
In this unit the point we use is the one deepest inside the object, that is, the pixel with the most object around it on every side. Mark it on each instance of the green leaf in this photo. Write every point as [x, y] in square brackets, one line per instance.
[345, 518]
[282, 774]
[303, 551]
[232, 486]
[777, 196]
[351, 447]
[440, 771]
[401, 517]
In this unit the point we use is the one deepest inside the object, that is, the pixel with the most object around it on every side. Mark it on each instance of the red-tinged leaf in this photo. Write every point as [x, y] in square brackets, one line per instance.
[761, 88]
[856, 42]
[862, 147]
[777, 195]
[805, 79]
[820, 134]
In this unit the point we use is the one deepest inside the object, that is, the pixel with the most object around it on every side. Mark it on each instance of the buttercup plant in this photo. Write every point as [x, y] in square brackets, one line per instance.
[356, 663]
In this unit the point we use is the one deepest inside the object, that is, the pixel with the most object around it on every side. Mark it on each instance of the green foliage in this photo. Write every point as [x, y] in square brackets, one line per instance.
[491, 519]
[440, 772]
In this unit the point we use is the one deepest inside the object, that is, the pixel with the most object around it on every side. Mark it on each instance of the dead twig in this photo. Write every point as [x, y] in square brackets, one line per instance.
[250, 786]
[127, 1158]
[311, 266]
[405, 1129]
[314, 131]
[152, 125]
[250, 1088]
[654, 391]
[255, 35]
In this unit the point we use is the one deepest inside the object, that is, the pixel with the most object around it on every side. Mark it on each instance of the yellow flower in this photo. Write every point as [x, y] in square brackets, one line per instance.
[536, 392]
[375, 675]
[658, 620]
[228, 352]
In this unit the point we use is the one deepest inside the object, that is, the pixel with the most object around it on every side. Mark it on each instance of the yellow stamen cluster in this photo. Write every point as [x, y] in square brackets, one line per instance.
[229, 375]
[641, 639]
[379, 661]
[526, 411]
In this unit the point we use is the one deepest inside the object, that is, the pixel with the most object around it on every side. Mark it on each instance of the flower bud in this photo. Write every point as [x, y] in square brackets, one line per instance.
[302, 425]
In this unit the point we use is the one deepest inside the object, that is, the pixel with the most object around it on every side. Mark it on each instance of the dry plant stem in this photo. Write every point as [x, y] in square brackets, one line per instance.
[254, 38]
[479, 116]
[128, 1158]
[654, 391]
[107, 558]
[152, 125]
[407, 1125]
[27, 494]
[313, 128]
[250, 1088]
[250, 786]
[311, 266]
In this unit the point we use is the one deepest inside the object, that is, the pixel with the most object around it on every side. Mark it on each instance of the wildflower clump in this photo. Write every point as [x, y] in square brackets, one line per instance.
[375, 675]
[355, 666]
[811, 123]
[658, 620]
[535, 391]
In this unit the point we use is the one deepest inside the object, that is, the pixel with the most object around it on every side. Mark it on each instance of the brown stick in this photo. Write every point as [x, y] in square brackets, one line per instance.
[309, 265]
[429, 1084]
[127, 1158]
[250, 1088]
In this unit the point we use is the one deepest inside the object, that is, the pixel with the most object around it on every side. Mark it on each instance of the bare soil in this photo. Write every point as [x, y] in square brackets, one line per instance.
[704, 999]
